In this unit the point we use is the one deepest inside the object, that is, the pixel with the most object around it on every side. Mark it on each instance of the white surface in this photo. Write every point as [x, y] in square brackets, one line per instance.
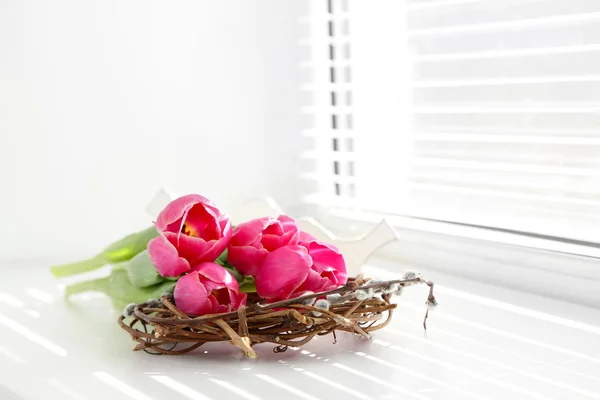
[482, 343]
[102, 102]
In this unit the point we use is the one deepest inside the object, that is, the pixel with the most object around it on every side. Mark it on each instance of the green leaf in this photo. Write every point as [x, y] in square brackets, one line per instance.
[122, 250]
[141, 271]
[121, 291]
[238, 277]
[78, 267]
[222, 259]
[248, 285]
[126, 248]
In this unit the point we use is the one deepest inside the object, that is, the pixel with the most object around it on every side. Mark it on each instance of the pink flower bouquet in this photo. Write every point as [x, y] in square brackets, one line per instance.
[195, 278]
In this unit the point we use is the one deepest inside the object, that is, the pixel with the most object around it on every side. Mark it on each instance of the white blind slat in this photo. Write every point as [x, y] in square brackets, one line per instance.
[504, 55]
[482, 112]
[486, 11]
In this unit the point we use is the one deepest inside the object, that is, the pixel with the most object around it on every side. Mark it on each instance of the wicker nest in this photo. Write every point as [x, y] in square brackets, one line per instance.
[360, 306]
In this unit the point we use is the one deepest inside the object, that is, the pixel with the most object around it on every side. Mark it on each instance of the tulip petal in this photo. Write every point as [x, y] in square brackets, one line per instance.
[290, 238]
[271, 242]
[225, 226]
[247, 232]
[313, 282]
[331, 276]
[283, 233]
[214, 304]
[218, 247]
[212, 209]
[246, 259]
[217, 274]
[165, 258]
[193, 249]
[201, 223]
[221, 308]
[282, 272]
[288, 223]
[305, 237]
[222, 296]
[237, 299]
[176, 210]
[191, 296]
[209, 285]
[274, 228]
[327, 258]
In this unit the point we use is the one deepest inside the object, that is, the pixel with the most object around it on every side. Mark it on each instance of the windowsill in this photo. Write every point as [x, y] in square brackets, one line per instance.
[514, 262]
[482, 342]
[470, 232]
[489, 294]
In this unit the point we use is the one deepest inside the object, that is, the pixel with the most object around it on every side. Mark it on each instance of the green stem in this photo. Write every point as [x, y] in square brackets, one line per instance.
[60, 271]
[96, 285]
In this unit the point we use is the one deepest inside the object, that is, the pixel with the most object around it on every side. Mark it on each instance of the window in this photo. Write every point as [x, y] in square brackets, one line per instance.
[478, 112]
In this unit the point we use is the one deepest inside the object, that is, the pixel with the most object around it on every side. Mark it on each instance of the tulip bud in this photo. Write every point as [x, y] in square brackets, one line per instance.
[128, 311]
[168, 295]
[308, 302]
[289, 271]
[334, 298]
[209, 289]
[431, 303]
[253, 240]
[394, 287]
[153, 303]
[323, 305]
[364, 294]
[410, 275]
[192, 230]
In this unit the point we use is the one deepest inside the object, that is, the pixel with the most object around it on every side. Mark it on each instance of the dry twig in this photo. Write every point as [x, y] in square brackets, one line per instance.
[167, 330]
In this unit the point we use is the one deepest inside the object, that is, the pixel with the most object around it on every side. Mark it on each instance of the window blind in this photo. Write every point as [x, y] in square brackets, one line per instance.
[479, 112]
[332, 132]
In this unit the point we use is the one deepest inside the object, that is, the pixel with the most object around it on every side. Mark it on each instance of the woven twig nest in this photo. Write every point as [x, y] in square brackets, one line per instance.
[360, 306]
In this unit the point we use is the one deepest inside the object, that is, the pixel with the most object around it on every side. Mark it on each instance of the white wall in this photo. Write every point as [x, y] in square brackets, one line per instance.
[103, 102]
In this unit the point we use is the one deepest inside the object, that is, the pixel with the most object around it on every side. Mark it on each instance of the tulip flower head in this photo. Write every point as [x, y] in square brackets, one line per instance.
[208, 289]
[192, 230]
[291, 271]
[252, 241]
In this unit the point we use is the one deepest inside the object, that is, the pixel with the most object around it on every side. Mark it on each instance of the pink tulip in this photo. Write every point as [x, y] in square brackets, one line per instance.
[208, 289]
[252, 241]
[291, 271]
[327, 261]
[305, 237]
[192, 230]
